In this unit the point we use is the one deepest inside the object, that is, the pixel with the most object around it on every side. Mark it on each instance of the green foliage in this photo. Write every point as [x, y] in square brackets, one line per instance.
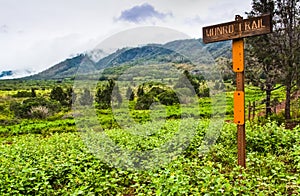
[156, 94]
[38, 127]
[49, 157]
[187, 81]
[131, 98]
[65, 98]
[204, 92]
[103, 98]
[21, 94]
[70, 97]
[274, 57]
[144, 102]
[33, 93]
[193, 82]
[34, 108]
[140, 91]
[130, 95]
[58, 94]
[168, 98]
[60, 164]
[106, 94]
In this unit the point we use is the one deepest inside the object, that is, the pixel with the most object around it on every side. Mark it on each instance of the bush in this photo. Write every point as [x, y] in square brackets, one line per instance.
[168, 98]
[165, 97]
[40, 112]
[57, 163]
[58, 94]
[64, 97]
[22, 94]
[35, 108]
[144, 102]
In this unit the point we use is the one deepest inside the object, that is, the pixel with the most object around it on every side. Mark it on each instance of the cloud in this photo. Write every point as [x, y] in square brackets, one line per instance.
[4, 29]
[196, 20]
[140, 13]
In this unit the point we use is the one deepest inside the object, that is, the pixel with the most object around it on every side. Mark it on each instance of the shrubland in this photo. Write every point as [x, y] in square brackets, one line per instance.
[47, 155]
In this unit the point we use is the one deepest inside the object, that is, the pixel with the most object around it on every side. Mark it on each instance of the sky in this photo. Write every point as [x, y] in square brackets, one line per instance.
[37, 34]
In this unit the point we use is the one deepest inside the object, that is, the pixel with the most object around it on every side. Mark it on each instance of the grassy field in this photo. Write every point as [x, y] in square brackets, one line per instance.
[54, 156]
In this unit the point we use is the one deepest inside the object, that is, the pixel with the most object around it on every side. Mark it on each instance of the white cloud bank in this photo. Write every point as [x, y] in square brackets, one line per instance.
[37, 34]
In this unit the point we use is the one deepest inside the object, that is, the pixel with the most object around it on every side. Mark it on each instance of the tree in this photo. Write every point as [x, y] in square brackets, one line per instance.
[140, 91]
[70, 96]
[58, 94]
[188, 81]
[65, 98]
[224, 67]
[105, 96]
[86, 98]
[115, 93]
[273, 57]
[129, 94]
[131, 98]
[287, 26]
[33, 94]
[144, 102]
[262, 69]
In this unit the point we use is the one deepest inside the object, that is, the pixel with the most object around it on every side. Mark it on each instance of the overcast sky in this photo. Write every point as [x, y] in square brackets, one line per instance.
[37, 34]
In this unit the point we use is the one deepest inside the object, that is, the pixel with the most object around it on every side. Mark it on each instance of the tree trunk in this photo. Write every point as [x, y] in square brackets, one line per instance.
[249, 111]
[287, 110]
[253, 110]
[268, 101]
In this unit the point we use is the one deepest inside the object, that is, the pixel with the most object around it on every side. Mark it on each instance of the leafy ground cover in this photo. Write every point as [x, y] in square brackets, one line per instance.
[56, 163]
[38, 127]
[49, 156]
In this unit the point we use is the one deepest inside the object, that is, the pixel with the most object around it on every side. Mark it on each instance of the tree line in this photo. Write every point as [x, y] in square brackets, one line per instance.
[272, 60]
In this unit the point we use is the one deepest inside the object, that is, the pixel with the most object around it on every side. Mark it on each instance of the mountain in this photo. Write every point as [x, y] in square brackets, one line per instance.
[12, 74]
[219, 49]
[65, 69]
[5, 74]
[148, 54]
[198, 52]
[96, 54]
[179, 51]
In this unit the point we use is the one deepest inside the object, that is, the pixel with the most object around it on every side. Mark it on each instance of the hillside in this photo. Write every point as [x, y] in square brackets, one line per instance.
[179, 51]
[67, 68]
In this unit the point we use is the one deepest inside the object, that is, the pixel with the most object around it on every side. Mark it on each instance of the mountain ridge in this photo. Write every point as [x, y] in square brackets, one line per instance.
[177, 51]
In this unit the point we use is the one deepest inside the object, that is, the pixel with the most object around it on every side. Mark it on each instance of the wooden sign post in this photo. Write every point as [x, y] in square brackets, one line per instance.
[236, 31]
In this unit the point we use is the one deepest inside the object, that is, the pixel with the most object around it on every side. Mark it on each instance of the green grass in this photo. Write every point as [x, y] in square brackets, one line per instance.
[38, 127]
[51, 156]
[60, 163]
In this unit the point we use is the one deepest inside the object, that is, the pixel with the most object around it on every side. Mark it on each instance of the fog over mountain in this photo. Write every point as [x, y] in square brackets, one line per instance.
[177, 51]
